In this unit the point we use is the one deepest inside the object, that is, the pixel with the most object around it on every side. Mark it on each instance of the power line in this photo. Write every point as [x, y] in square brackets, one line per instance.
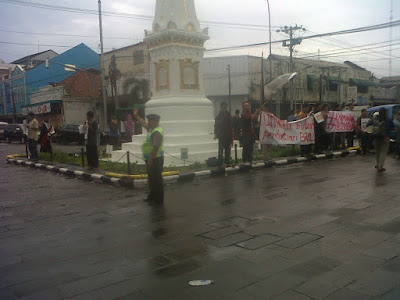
[71, 35]
[340, 53]
[341, 32]
[376, 53]
[131, 16]
[44, 45]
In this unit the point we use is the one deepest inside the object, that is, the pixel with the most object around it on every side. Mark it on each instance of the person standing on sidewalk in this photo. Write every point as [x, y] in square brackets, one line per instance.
[236, 122]
[92, 141]
[115, 133]
[247, 133]
[305, 149]
[350, 135]
[361, 126]
[33, 136]
[265, 148]
[223, 131]
[153, 154]
[382, 128]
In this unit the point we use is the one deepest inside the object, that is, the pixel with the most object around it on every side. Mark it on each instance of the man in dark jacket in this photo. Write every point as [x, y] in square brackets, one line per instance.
[224, 133]
[115, 133]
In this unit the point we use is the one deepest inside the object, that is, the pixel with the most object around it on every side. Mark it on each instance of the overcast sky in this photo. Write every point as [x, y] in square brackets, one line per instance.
[315, 15]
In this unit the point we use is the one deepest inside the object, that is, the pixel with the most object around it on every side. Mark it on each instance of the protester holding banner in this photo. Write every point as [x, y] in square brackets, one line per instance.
[265, 148]
[304, 149]
[247, 133]
[319, 128]
[361, 125]
[327, 144]
[350, 135]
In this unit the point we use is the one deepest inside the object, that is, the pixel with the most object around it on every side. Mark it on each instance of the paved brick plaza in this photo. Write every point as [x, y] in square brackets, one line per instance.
[321, 230]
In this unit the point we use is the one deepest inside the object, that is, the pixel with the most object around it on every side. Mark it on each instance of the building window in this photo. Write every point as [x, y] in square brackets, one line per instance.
[332, 87]
[362, 89]
[309, 84]
[138, 57]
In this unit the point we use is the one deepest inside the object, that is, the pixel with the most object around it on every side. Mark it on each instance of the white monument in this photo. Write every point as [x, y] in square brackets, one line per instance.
[176, 47]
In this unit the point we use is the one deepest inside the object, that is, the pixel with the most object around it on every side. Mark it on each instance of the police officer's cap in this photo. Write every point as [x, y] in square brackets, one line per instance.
[153, 117]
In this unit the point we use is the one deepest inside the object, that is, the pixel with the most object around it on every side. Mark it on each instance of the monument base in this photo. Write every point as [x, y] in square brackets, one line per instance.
[187, 129]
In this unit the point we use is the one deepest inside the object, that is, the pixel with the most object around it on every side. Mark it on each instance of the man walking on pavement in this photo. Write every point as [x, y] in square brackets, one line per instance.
[382, 127]
[153, 155]
[223, 131]
[33, 136]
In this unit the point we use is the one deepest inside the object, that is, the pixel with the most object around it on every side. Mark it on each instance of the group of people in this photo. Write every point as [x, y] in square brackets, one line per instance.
[324, 140]
[243, 127]
[34, 138]
[121, 131]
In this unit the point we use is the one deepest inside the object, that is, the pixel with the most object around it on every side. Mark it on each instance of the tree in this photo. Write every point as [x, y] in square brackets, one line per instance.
[138, 89]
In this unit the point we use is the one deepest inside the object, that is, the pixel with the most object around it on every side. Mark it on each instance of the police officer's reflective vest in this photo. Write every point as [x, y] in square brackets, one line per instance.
[147, 147]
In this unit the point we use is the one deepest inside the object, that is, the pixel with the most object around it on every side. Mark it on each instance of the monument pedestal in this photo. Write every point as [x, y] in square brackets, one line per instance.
[187, 125]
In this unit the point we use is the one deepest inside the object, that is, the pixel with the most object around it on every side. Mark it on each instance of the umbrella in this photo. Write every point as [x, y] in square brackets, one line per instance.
[277, 84]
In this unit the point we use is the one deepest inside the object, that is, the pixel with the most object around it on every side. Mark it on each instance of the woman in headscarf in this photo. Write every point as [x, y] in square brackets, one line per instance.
[129, 128]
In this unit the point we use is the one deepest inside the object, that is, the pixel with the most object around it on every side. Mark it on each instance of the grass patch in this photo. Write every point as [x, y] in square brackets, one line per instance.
[138, 169]
[120, 168]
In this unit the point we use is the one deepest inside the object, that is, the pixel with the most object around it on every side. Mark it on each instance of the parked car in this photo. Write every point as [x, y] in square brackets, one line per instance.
[69, 133]
[15, 132]
[2, 126]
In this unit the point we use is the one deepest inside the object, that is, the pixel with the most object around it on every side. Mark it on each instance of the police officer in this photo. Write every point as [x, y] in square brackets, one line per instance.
[153, 155]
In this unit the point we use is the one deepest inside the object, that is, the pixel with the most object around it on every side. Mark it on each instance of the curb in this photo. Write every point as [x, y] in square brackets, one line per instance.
[142, 183]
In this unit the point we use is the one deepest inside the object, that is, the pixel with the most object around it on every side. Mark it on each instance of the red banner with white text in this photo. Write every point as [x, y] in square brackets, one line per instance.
[274, 131]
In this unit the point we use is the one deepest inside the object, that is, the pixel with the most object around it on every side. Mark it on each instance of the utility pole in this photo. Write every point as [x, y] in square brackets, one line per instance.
[292, 43]
[262, 80]
[270, 42]
[102, 66]
[229, 78]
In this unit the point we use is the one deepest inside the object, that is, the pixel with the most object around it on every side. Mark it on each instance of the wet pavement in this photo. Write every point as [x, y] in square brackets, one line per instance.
[322, 230]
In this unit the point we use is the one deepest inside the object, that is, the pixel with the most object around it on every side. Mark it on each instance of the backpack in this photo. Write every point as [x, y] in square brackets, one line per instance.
[379, 129]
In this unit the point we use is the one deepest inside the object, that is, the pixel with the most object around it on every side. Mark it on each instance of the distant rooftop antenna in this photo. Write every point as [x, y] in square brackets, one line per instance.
[391, 35]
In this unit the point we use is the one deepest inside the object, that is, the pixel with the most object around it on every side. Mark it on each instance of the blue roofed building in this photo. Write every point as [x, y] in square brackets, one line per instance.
[21, 84]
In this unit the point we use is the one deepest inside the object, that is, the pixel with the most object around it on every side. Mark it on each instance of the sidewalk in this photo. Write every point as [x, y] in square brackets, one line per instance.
[322, 230]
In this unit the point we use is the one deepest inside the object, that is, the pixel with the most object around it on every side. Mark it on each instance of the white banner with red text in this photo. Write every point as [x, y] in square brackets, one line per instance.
[274, 131]
[340, 121]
